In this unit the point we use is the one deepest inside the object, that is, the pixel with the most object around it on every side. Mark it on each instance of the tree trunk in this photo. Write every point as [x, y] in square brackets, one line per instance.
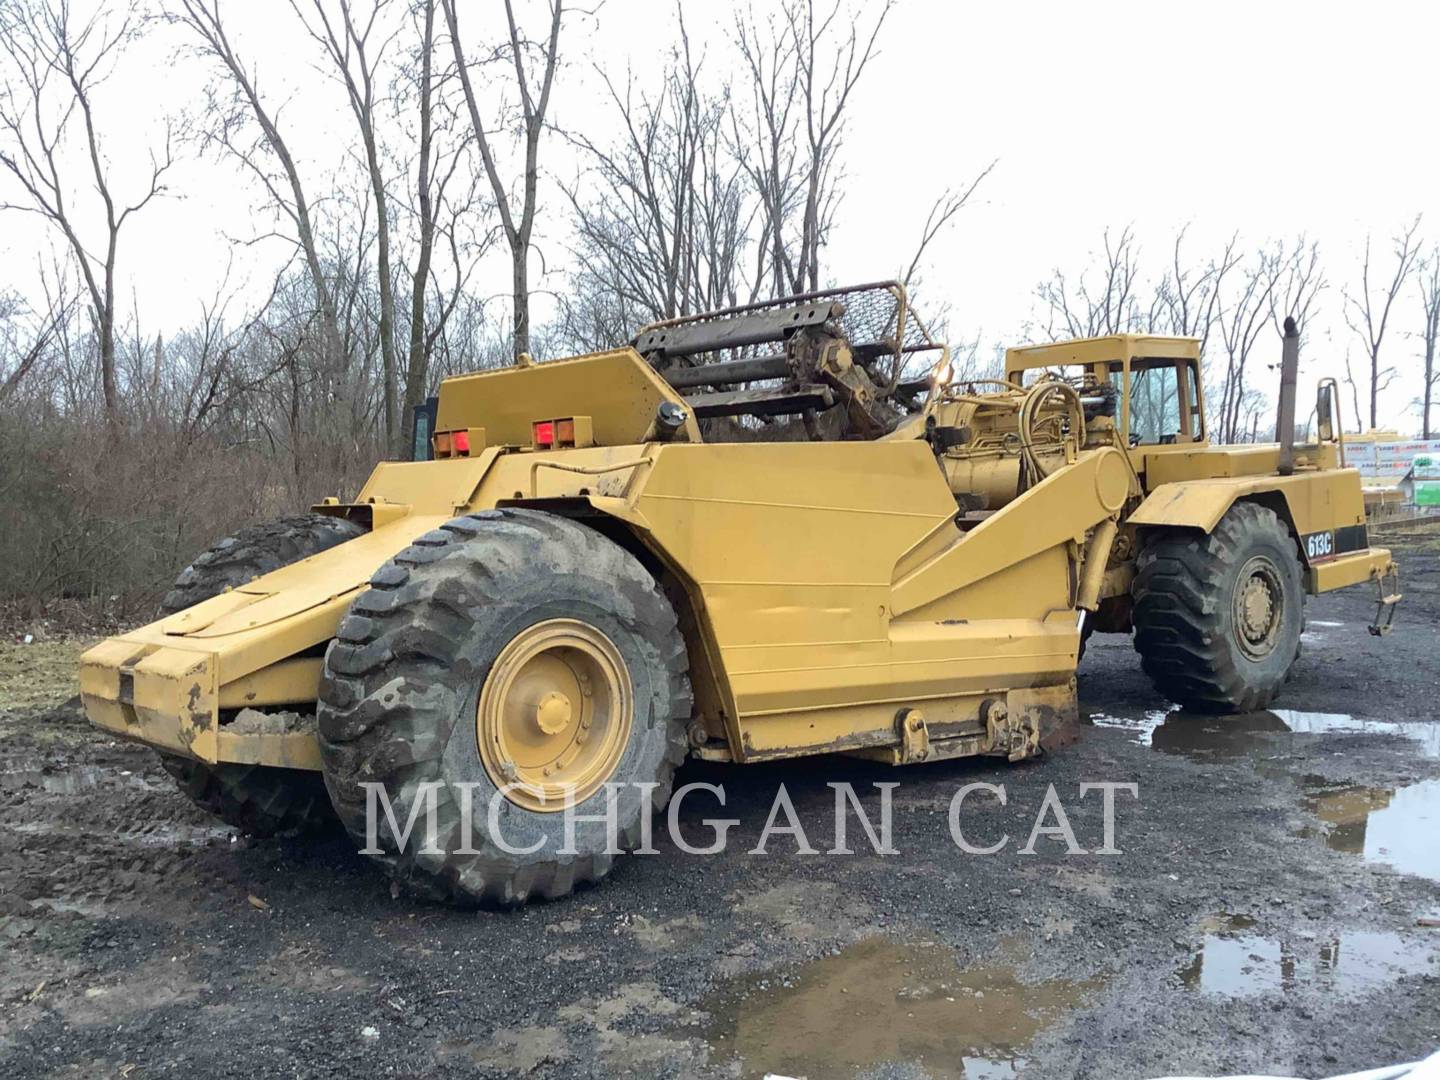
[108, 383]
[1429, 386]
[417, 363]
[105, 315]
[387, 293]
[521, 290]
[1374, 388]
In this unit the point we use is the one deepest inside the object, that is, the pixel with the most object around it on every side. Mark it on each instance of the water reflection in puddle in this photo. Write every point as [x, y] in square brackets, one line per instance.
[1234, 962]
[1397, 827]
[1142, 727]
[881, 1001]
[69, 781]
[1176, 731]
[1426, 736]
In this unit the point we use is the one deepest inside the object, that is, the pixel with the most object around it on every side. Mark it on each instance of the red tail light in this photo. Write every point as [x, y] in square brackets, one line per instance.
[461, 442]
[544, 433]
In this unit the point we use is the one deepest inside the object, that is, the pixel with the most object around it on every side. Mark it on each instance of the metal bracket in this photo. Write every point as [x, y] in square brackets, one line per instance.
[1017, 737]
[582, 470]
[914, 736]
[1385, 601]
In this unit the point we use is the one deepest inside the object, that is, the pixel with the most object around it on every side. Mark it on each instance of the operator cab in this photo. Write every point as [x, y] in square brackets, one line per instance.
[1157, 381]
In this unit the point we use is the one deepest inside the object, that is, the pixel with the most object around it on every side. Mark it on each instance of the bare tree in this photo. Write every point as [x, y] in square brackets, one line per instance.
[803, 66]
[356, 48]
[26, 336]
[1187, 298]
[54, 65]
[1354, 385]
[827, 76]
[286, 191]
[942, 213]
[518, 227]
[1368, 314]
[1091, 308]
[657, 216]
[765, 143]
[1301, 281]
[1244, 315]
[435, 172]
[1429, 276]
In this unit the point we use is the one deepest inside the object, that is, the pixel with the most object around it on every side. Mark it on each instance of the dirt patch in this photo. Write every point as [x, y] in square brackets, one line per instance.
[39, 675]
[819, 1020]
[132, 942]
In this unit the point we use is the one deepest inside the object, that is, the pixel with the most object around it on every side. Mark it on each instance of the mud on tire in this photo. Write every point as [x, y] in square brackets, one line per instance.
[403, 681]
[256, 799]
[1218, 617]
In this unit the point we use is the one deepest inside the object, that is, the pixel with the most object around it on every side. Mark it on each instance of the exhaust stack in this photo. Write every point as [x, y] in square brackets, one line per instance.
[1289, 375]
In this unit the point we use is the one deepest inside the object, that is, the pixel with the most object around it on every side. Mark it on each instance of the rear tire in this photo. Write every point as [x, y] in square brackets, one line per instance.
[452, 643]
[256, 799]
[1218, 617]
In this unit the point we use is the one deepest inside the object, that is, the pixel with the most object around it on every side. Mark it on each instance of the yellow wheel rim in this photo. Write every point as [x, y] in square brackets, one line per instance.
[1259, 607]
[554, 715]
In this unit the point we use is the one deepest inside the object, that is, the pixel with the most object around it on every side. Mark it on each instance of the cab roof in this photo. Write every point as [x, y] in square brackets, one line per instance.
[1101, 350]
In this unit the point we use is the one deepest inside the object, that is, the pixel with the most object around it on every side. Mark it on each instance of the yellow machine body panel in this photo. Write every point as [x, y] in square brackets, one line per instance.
[1313, 501]
[830, 584]
[165, 683]
[896, 597]
[617, 389]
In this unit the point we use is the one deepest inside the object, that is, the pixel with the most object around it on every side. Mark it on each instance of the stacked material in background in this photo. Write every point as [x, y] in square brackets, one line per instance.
[1385, 462]
[1425, 478]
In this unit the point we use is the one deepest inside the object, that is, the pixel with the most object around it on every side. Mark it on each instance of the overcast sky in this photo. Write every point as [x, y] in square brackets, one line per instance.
[1264, 118]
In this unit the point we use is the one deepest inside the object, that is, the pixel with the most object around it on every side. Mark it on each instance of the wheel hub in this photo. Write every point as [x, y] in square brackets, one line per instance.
[1258, 607]
[554, 715]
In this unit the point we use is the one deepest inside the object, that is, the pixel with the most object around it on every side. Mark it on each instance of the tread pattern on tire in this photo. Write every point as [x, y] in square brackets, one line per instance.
[1180, 597]
[260, 800]
[253, 551]
[257, 799]
[406, 634]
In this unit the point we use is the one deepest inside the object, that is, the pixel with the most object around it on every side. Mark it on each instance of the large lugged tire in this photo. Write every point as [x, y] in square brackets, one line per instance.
[1218, 618]
[478, 657]
[255, 799]
[254, 551]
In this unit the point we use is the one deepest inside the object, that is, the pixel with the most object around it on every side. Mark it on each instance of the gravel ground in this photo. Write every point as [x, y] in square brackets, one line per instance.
[1268, 911]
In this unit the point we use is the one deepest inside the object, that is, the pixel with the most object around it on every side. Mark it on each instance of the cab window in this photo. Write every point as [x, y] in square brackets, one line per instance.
[1165, 402]
[1155, 404]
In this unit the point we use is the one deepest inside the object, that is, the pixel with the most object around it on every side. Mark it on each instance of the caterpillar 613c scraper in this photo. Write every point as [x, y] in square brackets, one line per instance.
[772, 531]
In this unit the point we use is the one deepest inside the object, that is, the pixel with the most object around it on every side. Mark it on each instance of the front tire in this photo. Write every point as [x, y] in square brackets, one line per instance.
[255, 799]
[1218, 617]
[258, 800]
[523, 654]
[259, 549]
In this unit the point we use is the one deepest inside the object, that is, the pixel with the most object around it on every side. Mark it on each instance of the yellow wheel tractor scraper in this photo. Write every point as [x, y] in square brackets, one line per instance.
[752, 534]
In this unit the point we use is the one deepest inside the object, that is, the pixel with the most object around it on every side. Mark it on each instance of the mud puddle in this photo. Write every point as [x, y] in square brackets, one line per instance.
[1393, 826]
[1398, 827]
[1175, 731]
[883, 1002]
[1233, 961]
